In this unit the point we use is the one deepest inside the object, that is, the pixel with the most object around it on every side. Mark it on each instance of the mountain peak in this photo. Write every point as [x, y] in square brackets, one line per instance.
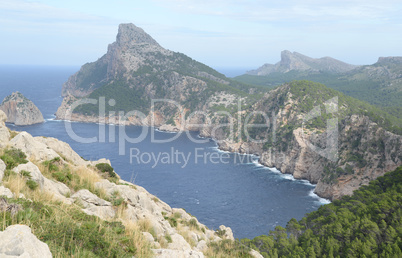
[294, 61]
[129, 34]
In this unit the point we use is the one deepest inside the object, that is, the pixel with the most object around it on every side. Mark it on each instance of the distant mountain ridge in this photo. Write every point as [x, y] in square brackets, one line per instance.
[298, 62]
[379, 84]
[136, 70]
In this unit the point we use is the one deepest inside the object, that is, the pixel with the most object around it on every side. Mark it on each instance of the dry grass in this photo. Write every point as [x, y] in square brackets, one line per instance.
[134, 232]
[16, 183]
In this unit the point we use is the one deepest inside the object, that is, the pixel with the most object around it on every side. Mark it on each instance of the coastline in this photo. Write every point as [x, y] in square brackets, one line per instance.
[165, 129]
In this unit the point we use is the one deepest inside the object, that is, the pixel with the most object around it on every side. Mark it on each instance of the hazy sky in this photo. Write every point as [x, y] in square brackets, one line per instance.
[219, 33]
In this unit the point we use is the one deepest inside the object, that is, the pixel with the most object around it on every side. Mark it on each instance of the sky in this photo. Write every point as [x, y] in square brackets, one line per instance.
[219, 33]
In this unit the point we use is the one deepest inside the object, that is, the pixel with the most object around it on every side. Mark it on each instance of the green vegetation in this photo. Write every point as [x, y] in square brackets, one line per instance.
[106, 168]
[366, 224]
[376, 84]
[311, 94]
[70, 232]
[13, 157]
[59, 171]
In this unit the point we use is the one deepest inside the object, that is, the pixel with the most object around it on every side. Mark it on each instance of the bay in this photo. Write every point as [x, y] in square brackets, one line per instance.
[216, 187]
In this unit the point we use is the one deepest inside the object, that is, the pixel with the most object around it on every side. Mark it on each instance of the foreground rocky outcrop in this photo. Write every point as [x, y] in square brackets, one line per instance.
[18, 241]
[171, 232]
[20, 110]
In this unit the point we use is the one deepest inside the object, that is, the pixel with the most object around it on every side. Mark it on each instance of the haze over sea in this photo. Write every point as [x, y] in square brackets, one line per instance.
[235, 191]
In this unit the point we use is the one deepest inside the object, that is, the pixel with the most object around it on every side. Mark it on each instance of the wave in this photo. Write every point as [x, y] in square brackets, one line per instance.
[320, 200]
[162, 131]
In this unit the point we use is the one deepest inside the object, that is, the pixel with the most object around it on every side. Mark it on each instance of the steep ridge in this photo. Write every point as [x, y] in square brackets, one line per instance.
[379, 84]
[48, 186]
[298, 62]
[282, 125]
[20, 110]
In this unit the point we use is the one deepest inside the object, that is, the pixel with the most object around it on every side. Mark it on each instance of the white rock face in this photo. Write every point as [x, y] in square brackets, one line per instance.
[33, 148]
[228, 232]
[34, 171]
[4, 133]
[93, 205]
[18, 241]
[63, 149]
[2, 169]
[6, 192]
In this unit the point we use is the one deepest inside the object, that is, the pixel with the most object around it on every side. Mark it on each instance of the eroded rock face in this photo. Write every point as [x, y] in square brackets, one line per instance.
[18, 241]
[4, 132]
[2, 169]
[32, 148]
[20, 110]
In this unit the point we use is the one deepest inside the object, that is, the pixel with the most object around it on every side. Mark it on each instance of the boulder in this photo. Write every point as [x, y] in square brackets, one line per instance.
[34, 171]
[167, 253]
[33, 148]
[201, 246]
[178, 243]
[4, 132]
[62, 149]
[18, 241]
[55, 187]
[89, 199]
[93, 205]
[6, 192]
[228, 232]
[2, 169]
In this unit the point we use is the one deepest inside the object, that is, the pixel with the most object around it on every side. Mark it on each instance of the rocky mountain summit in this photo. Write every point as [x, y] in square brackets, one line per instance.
[20, 110]
[136, 70]
[298, 62]
[44, 177]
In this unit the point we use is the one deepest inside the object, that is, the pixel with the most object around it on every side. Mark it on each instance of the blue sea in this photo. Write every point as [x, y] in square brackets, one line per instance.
[219, 188]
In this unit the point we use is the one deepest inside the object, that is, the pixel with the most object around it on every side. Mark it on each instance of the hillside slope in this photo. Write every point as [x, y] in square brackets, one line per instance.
[379, 84]
[82, 208]
[367, 224]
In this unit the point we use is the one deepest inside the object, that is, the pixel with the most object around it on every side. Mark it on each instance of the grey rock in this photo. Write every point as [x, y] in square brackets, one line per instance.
[32, 148]
[4, 132]
[6, 192]
[34, 171]
[2, 169]
[89, 199]
[20, 110]
[228, 232]
[18, 241]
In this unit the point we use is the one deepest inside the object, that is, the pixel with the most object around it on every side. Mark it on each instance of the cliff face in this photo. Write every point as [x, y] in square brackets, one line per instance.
[298, 62]
[139, 70]
[20, 110]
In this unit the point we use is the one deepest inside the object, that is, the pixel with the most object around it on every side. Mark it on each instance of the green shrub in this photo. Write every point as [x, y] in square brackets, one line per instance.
[13, 157]
[105, 167]
[26, 174]
[32, 184]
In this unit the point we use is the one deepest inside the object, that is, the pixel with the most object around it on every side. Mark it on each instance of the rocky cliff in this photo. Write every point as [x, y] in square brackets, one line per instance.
[217, 107]
[298, 62]
[20, 110]
[45, 173]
